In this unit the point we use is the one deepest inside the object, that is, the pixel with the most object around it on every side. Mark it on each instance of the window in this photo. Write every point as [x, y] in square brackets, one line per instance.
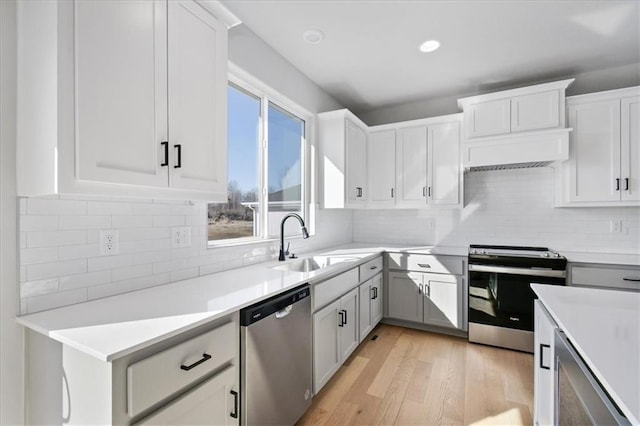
[267, 167]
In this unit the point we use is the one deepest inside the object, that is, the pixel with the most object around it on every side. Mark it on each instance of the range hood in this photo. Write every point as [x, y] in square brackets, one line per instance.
[531, 149]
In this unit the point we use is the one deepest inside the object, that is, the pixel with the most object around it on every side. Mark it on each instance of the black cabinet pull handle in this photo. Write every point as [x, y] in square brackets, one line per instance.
[346, 321]
[429, 192]
[373, 293]
[542, 346]
[358, 192]
[205, 357]
[617, 184]
[391, 192]
[420, 289]
[166, 153]
[634, 279]
[424, 191]
[234, 414]
[424, 265]
[177, 166]
[341, 323]
[373, 267]
[626, 184]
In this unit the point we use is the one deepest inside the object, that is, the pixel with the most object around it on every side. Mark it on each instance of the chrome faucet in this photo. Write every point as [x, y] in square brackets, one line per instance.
[305, 234]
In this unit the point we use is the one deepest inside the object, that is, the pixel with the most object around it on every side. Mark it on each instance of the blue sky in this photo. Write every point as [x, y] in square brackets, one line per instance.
[284, 141]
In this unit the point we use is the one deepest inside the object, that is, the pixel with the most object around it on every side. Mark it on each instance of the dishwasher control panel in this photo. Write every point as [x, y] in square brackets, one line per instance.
[263, 309]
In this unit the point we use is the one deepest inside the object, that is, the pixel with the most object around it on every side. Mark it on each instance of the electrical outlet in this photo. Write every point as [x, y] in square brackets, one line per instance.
[181, 237]
[615, 226]
[109, 242]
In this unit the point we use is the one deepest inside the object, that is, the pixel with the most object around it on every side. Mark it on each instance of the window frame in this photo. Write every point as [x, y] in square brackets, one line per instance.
[246, 82]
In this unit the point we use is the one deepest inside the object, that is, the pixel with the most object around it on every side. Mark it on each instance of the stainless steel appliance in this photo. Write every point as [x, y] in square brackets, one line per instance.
[275, 359]
[500, 296]
[579, 398]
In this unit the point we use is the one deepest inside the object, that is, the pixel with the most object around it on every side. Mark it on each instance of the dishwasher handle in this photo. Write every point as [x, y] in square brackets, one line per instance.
[284, 312]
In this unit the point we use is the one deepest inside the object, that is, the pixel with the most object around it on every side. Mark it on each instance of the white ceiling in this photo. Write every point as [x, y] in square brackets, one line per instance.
[370, 59]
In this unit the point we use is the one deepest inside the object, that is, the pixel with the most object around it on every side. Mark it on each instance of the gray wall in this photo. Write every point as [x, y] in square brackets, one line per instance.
[11, 334]
[588, 82]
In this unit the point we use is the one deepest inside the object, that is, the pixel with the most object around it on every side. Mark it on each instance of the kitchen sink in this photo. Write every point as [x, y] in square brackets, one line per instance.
[308, 264]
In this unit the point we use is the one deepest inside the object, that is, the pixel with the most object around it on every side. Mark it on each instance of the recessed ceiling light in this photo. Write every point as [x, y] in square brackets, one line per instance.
[313, 36]
[429, 46]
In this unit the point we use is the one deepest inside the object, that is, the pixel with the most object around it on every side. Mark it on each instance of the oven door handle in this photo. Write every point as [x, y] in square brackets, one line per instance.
[518, 271]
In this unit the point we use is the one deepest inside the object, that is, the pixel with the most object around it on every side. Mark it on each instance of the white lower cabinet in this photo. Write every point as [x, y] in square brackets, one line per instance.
[543, 404]
[208, 404]
[335, 336]
[437, 299]
[370, 293]
[192, 378]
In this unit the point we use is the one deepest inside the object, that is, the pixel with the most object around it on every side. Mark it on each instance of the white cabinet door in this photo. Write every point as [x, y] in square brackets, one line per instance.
[326, 345]
[365, 297]
[348, 326]
[442, 300]
[376, 301]
[120, 92]
[197, 98]
[404, 292]
[594, 151]
[411, 167]
[382, 167]
[211, 403]
[488, 118]
[535, 111]
[444, 164]
[356, 153]
[630, 148]
[543, 401]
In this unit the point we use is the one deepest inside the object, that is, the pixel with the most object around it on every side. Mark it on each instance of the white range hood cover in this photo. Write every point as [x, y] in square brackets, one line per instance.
[531, 149]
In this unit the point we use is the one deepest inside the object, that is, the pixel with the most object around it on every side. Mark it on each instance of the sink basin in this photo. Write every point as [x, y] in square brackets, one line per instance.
[308, 264]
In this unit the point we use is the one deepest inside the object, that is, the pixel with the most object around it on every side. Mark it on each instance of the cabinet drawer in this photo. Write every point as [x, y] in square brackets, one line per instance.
[157, 377]
[329, 290]
[427, 263]
[622, 277]
[370, 268]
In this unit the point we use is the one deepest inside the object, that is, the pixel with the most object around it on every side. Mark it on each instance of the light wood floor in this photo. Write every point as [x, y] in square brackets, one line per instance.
[412, 377]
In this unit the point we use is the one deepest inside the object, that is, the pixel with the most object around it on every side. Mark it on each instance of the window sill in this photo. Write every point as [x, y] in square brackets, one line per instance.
[249, 241]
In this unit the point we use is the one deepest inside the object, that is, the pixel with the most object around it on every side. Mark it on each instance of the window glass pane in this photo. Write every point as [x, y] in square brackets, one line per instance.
[286, 134]
[239, 217]
[285, 167]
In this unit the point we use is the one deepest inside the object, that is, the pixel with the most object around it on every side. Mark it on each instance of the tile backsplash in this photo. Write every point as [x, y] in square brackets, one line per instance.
[61, 264]
[60, 261]
[513, 207]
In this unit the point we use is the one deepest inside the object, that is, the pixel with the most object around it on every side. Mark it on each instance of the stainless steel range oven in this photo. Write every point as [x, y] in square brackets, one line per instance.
[500, 295]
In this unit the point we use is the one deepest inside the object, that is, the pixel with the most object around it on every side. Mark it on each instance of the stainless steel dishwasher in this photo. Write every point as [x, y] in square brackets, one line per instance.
[275, 359]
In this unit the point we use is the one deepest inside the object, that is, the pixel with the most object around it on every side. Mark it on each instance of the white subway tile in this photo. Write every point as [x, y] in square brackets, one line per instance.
[85, 222]
[84, 280]
[135, 234]
[55, 269]
[168, 221]
[81, 251]
[132, 222]
[109, 208]
[38, 255]
[183, 274]
[37, 288]
[38, 223]
[120, 287]
[23, 240]
[40, 206]
[56, 300]
[130, 272]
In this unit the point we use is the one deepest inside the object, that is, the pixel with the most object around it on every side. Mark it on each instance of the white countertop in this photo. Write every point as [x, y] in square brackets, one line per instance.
[115, 326]
[605, 258]
[604, 327]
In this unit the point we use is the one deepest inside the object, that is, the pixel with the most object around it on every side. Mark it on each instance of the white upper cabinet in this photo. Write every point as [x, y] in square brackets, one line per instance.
[445, 174]
[525, 109]
[488, 118]
[411, 166]
[382, 170]
[343, 160]
[137, 107]
[604, 151]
